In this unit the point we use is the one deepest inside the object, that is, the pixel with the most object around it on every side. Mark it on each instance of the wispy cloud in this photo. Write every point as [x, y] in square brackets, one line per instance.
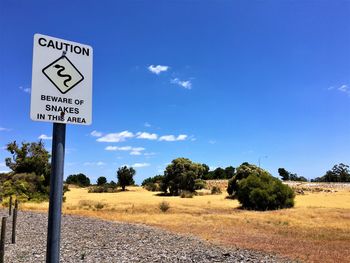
[116, 137]
[26, 90]
[45, 137]
[95, 133]
[99, 163]
[146, 135]
[146, 124]
[212, 141]
[172, 138]
[149, 154]
[132, 150]
[186, 84]
[343, 89]
[4, 129]
[158, 69]
[140, 165]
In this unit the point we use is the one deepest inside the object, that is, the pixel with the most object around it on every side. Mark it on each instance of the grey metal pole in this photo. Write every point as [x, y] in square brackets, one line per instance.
[56, 193]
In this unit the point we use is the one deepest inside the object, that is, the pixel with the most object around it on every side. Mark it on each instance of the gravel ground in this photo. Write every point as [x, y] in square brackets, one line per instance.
[92, 240]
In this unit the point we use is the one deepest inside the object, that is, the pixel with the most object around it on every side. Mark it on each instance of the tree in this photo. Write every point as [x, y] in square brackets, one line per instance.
[339, 173]
[29, 158]
[30, 175]
[287, 176]
[78, 179]
[101, 180]
[242, 172]
[284, 174]
[125, 176]
[180, 175]
[230, 172]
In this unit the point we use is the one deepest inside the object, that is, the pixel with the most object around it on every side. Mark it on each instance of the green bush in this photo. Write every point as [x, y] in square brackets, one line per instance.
[106, 188]
[264, 192]
[153, 187]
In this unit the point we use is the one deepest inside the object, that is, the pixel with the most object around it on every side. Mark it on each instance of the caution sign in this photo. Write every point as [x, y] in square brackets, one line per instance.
[61, 81]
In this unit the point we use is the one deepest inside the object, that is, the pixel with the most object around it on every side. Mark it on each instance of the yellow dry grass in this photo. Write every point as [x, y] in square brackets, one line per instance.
[317, 229]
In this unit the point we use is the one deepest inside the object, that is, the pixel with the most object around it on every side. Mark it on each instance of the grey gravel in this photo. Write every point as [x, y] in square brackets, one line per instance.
[93, 240]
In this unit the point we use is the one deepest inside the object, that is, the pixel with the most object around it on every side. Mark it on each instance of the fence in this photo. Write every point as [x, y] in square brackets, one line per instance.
[12, 214]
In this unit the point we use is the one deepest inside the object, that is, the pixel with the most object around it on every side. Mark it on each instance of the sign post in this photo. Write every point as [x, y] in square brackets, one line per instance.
[61, 94]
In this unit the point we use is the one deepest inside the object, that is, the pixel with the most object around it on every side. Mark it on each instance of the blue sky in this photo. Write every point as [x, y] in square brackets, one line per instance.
[219, 82]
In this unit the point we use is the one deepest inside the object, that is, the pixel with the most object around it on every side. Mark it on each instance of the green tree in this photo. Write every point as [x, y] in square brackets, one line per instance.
[284, 174]
[101, 180]
[339, 173]
[230, 172]
[125, 176]
[287, 176]
[29, 158]
[242, 172]
[180, 175]
[78, 179]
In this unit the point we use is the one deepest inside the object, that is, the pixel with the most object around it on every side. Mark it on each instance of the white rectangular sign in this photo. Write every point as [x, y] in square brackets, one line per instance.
[61, 81]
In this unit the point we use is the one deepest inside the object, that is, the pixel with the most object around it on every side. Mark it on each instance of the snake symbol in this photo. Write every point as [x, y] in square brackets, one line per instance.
[62, 68]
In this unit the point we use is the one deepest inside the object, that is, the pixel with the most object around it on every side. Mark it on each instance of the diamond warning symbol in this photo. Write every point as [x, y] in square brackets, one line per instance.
[63, 74]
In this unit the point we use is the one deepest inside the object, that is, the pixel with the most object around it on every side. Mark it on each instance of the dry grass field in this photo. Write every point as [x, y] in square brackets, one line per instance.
[317, 229]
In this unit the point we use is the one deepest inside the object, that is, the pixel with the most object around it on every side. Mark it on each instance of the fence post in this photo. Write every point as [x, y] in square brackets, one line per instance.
[2, 239]
[10, 205]
[14, 222]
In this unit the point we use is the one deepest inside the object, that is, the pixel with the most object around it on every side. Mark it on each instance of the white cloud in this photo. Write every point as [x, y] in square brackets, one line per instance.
[4, 129]
[139, 165]
[149, 154]
[146, 135]
[45, 137]
[212, 141]
[116, 137]
[147, 125]
[4, 171]
[135, 153]
[117, 148]
[26, 90]
[133, 150]
[2, 164]
[96, 133]
[344, 88]
[171, 138]
[99, 163]
[186, 84]
[158, 69]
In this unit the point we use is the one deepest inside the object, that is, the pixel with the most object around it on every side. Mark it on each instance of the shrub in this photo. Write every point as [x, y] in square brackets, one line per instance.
[153, 187]
[264, 192]
[164, 206]
[107, 188]
[186, 194]
[99, 205]
[215, 190]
